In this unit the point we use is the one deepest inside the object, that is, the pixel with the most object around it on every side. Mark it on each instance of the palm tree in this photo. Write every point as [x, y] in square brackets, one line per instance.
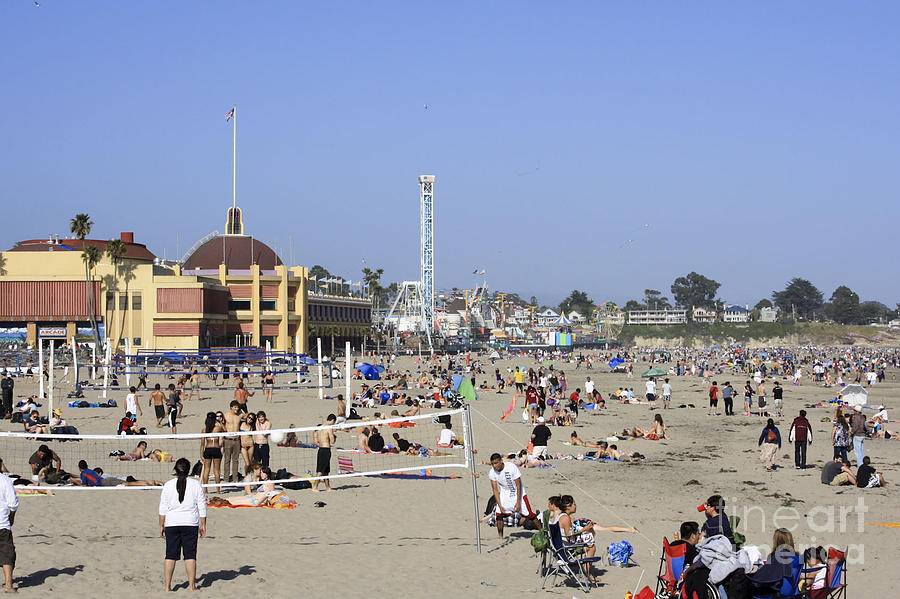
[115, 249]
[372, 279]
[80, 226]
[91, 255]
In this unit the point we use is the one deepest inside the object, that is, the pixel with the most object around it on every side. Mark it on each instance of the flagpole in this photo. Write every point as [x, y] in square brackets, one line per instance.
[234, 162]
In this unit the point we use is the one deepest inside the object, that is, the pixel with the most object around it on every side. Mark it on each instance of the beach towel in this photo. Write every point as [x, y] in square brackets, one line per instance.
[345, 465]
[512, 406]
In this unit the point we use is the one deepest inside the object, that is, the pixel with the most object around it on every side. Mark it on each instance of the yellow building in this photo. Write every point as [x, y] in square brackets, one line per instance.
[232, 290]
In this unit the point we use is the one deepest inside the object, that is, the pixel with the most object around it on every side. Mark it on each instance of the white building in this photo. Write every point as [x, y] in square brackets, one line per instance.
[546, 318]
[657, 317]
[767, 314]
[575, 316]
[736, 314]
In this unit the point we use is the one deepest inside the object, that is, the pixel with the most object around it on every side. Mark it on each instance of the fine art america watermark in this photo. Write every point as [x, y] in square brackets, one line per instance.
[823, 525]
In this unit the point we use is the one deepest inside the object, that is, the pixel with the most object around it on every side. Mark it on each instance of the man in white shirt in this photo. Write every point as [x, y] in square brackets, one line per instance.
[448, 437]
[651, 389]
[509, 493]
[589, 387]
[132, 404]
[9, 503]
[667, 394]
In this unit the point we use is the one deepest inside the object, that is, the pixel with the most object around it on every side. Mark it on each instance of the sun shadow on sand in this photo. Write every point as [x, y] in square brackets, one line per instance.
[40, 577]
[207, 579]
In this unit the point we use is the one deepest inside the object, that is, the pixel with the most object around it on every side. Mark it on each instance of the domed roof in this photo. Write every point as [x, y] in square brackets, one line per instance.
[238, 252]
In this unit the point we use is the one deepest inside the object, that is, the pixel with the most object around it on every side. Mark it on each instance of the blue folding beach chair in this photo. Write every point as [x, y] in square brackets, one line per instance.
[564, 560]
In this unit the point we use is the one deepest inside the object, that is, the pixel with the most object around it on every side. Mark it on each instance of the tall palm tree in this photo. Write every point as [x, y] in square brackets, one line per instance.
[80, 226]
[115, 249]
[372, 279]
[91, 255]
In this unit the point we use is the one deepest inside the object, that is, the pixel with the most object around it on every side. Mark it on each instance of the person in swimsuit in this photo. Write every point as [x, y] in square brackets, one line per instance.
[211, 448]
[269, 385]
[195, 385]
[264, 492]
[249, 424]
[139, 453]
[324, 439]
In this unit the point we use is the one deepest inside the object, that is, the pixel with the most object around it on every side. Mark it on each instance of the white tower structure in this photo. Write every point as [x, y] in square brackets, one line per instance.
[426, 226]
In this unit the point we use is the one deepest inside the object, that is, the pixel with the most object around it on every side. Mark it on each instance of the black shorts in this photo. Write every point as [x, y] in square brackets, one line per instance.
[181, 540]
[7, 548]
[713, 402]
[323, 460]
[160, 412]
[212, 453]
[242, 407]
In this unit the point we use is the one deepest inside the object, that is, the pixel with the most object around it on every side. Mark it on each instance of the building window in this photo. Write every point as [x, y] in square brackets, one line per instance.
[110, 301]
[123, 301]
[136, 302]
[136, 341]
[238, 304]
[267, 304]
[292, 305]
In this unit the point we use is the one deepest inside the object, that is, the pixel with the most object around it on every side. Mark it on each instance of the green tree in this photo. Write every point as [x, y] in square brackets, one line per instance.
[91, 255]
[577, 301]
[799, 296]
[115, 250]
[632, 305]
[695, 290]
[80, 227]
[872, 311]
[372, 279]
[763, 303]
[844, 306]
[654, 300]
[319, 272]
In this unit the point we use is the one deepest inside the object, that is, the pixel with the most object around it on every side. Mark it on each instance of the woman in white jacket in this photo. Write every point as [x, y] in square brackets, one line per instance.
[182, 519]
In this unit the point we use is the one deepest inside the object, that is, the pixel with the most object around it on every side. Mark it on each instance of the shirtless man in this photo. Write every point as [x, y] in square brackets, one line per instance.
[231, 446]
[241, 395]
[157, 399]
[324, 439]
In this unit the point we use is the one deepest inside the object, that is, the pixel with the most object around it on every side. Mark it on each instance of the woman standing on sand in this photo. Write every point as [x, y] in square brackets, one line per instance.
[748, 398]
[182, 519]
[770, 441]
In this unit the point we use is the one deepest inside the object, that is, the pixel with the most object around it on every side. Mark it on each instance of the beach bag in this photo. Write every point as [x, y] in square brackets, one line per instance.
[111, 403]
[16, 418]
[540, 540]
[620, 553]
[197, 470]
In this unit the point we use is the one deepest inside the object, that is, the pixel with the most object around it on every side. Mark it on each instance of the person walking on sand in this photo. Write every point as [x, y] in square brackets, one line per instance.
[801, 436]
[770, 441]
[324, 439]
[157, 399]
[182, 519]
[9, 503]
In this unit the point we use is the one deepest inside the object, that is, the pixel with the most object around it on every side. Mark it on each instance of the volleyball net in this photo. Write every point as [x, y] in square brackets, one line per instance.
[407, 447]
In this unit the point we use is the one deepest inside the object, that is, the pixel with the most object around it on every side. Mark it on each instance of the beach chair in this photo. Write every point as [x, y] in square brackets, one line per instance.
[671, 565]
[345, 465]
[563, 560]
[786, 588]
[835, 577]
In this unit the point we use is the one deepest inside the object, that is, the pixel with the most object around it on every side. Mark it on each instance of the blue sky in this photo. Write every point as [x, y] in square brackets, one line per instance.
[602, 146]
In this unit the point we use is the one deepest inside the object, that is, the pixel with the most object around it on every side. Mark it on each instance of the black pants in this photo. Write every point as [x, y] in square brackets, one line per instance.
[800, 454]
[261, 453]
[729, 406]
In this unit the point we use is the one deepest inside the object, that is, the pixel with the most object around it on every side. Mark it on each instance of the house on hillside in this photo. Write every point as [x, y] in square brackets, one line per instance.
[767, 314]
[576, 317]
[703, 316]
[657, 317]
[546, 318]
[736, 314]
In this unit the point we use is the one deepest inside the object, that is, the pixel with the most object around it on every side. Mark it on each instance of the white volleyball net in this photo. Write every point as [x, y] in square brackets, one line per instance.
[408, 447]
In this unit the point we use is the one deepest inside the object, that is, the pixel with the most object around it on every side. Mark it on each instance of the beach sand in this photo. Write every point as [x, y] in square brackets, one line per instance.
[417, 537]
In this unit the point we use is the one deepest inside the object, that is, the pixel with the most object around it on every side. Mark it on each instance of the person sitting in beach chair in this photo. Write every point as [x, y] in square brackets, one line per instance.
[675, 559]
[33, 425]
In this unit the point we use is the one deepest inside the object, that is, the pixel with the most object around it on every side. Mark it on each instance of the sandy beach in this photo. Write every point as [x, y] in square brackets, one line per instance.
[418, 536]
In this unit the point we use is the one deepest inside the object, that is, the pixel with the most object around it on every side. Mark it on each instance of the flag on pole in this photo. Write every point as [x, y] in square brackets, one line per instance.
[229, 115]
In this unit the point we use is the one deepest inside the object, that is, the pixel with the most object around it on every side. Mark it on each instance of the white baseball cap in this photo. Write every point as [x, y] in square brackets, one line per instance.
[540, 419]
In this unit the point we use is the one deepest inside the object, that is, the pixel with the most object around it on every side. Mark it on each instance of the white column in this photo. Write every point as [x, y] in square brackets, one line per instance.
[40, 365]
[347, 363]
[297, 356]
[52, 377]
[93, 361]
[128, 362]
[319, 360]
[106, 368]
[74, 362]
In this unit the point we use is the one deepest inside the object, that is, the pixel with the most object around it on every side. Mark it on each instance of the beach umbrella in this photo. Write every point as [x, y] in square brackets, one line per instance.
[495, 355]
[464, 387]
[172, 356]
[307, 360]
[369, 372]
[654, 372]
[855, 395]
[614, 363]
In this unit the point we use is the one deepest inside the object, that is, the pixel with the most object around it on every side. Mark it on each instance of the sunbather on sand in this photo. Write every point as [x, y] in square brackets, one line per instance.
[657, 430]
